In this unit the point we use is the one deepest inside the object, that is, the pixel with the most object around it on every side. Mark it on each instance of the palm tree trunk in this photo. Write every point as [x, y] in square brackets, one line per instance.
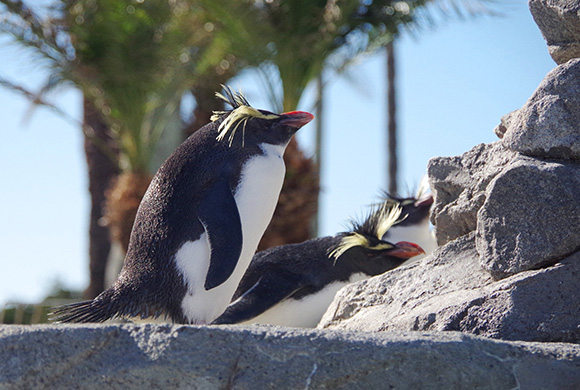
[123, 199]
[392, 120]
[319, 142]
[101, 171]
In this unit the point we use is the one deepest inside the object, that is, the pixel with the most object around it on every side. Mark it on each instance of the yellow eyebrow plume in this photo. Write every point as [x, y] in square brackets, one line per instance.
[239, 115]
[389, 217]
[376, 225]
[347, 242]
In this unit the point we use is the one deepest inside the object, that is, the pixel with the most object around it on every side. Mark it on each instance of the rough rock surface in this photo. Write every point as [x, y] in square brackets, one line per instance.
[531, 216]
[548, 125]
[409, 297]
[525, 210]
[449, 291]
[187, 357]
[459, 185]
[559, 22]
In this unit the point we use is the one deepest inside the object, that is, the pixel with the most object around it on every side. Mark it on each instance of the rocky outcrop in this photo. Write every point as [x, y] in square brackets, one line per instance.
[547, 125]
[531, 216]
[459, 184]
[145, 357]
[520, 194]
[559, 22]
[450, 291]
[507, 215]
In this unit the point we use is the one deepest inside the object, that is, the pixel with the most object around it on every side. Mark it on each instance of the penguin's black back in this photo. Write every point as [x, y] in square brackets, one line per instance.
[294, 260]
[309, 262]
[297, 271]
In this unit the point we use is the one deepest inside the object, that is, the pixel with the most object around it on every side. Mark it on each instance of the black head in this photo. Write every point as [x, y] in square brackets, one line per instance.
[415, 209]
[364, 248]
[244, 123]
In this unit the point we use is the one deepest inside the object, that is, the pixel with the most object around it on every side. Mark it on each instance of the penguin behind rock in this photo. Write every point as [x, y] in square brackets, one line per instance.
[200, 221]
[415, 226]
[293, 285]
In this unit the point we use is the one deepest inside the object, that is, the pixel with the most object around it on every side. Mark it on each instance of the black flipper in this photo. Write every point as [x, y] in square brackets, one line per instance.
[219, 215]
[265, 294]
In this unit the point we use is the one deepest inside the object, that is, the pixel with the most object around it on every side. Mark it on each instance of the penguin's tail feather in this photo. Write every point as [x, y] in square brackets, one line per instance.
[77, 312]
[97, 310]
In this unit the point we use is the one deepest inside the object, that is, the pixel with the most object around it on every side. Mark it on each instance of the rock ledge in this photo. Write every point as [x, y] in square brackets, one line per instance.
[163, 356]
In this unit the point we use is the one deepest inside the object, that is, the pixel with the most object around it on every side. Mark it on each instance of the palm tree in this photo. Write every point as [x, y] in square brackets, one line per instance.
[133, 61]
[392, 163]
[48, 41]
[102, 171]
[291, 42]
[123, 65]
[461, 9]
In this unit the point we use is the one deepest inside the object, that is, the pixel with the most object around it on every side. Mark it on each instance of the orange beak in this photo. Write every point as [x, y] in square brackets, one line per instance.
[296, 119]
[406, 250]
[424, 202]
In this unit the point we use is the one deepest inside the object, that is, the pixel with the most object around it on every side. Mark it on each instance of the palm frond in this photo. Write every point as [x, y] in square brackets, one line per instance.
[45, 36]
[435, 12]
[35, 98]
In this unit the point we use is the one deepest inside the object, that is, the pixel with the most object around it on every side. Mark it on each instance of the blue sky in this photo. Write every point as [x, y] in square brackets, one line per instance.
[455, 82]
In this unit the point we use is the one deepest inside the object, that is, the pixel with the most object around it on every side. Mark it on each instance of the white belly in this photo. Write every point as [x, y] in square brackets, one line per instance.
[306, 312]
[256, 198]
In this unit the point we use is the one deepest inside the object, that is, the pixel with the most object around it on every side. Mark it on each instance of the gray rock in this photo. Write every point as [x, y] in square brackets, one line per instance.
[458, 185]
[525, 210]
[188, 357]
[505, 123]
[411, 296]
[531, 216]
[449, 291]
[559, 22]
[548, 125]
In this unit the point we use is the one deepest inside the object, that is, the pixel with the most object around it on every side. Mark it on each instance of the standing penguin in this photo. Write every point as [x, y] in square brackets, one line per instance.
[293, 285]
[200, 221]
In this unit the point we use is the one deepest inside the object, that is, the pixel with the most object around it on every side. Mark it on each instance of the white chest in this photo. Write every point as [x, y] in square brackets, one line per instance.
[258, 192]
[256, 197]
[306, 312]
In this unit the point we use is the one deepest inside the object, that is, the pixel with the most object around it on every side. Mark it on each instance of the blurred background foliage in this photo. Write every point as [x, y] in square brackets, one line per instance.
[21, 313]
[135, 60]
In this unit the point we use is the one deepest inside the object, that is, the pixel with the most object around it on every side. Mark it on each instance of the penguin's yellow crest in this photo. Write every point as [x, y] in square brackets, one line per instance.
[241, 112]
[376, 226]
